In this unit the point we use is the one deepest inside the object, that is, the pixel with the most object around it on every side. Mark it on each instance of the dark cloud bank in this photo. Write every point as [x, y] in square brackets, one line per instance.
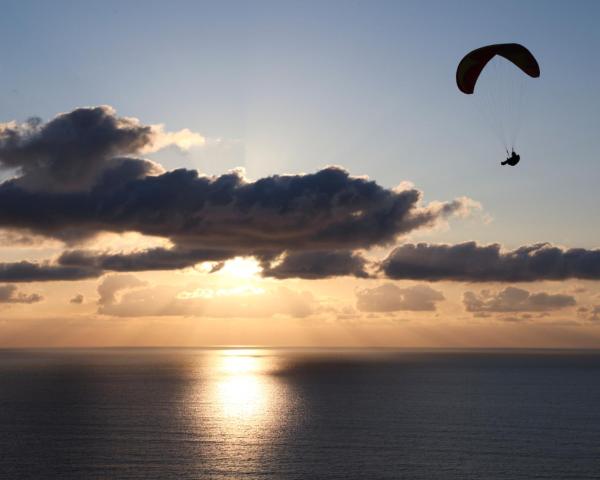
[470, 262]
[78, 175]
[43, 272]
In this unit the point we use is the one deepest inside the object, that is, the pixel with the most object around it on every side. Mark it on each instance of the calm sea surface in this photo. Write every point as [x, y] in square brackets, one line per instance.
[299, 414]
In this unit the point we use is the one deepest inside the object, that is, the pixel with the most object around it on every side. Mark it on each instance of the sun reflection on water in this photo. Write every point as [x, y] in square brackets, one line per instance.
[239, 408]
[240, 362]
[243, 390]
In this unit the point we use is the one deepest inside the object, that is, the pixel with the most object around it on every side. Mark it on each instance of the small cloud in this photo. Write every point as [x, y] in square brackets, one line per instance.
[112, 284]
[182, 139]
[594, 315]
[77, 299]
[512, 319]
[9, 294]
[512, 299]
[390, 298]
[216, 266]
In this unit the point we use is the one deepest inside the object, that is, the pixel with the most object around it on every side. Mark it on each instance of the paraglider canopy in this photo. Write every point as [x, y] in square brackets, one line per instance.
[473, 63]
[501, 86]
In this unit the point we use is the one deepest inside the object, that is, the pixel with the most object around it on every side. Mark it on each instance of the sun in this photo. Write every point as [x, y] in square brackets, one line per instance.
[241, 267]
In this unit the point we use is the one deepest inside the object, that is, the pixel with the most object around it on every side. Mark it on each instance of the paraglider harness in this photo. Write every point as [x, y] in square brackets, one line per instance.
[512, 159]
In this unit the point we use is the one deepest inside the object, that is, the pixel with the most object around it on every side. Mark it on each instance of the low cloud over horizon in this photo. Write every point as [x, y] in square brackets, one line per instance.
[127, 296]
[512, 299]
[391, 298]
[10, 294]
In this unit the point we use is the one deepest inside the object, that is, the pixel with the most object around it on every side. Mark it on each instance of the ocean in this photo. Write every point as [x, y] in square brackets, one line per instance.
[299, 414]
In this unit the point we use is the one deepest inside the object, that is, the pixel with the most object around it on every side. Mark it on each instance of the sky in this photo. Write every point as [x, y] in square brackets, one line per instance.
[294, 173]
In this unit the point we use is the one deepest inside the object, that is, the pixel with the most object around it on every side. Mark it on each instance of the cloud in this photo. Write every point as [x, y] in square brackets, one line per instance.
[139, 300]
[77, 264]
[77, 299]
[590, 314]
[390, 298]
[513, 319]
[326, 210]
[73, 150]
[43, 272]
[151, 259]
[77, 175]
[183, 139]
[467, 262]
[512, 299]
[471, 262]
[9, 294]
[315, 265]
[15, 238]
[112, 284]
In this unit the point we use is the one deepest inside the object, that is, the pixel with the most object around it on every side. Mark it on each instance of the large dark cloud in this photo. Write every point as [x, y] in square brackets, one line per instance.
[391, 298]
[315, 265]
[75, 179]
[9, 294]
[328, 209]
[512, 299]
[471, 262]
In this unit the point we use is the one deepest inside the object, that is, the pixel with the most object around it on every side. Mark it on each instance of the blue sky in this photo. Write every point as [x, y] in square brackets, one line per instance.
[293, 86]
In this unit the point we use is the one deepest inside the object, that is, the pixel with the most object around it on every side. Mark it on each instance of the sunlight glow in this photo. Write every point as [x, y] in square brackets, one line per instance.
[240, 397]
